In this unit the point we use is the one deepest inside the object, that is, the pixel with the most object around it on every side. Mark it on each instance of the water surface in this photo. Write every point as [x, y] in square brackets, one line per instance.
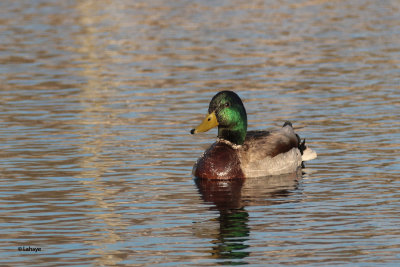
[97, 100]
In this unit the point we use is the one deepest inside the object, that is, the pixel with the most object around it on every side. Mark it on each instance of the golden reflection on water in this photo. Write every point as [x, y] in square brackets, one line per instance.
[97, 100]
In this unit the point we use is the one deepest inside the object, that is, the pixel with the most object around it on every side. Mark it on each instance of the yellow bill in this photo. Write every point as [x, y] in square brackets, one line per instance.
[210, 121]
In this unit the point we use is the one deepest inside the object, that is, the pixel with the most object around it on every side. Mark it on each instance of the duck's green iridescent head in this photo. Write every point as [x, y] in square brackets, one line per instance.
[226, 111]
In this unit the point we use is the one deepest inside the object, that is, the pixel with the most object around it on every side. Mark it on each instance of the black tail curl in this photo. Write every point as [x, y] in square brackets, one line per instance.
[302, 147]
[302, 144]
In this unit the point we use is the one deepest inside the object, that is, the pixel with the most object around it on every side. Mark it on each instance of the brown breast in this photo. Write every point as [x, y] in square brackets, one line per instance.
[220, 161]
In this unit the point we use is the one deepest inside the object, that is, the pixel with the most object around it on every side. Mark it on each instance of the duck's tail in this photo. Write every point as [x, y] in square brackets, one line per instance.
[306, 152]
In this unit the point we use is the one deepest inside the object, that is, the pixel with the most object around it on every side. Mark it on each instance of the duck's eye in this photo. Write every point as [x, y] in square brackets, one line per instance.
[227, 104]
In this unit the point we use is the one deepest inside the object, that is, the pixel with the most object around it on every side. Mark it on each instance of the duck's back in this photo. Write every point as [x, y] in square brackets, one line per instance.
[270, 153]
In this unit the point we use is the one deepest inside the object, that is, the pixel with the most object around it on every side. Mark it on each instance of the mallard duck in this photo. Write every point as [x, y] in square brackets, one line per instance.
[239, 153]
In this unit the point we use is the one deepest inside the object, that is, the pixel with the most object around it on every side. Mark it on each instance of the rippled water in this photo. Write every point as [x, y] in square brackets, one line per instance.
[97, 99]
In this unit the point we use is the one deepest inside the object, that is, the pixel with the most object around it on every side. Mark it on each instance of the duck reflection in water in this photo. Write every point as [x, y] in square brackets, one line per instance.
[230, 197]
